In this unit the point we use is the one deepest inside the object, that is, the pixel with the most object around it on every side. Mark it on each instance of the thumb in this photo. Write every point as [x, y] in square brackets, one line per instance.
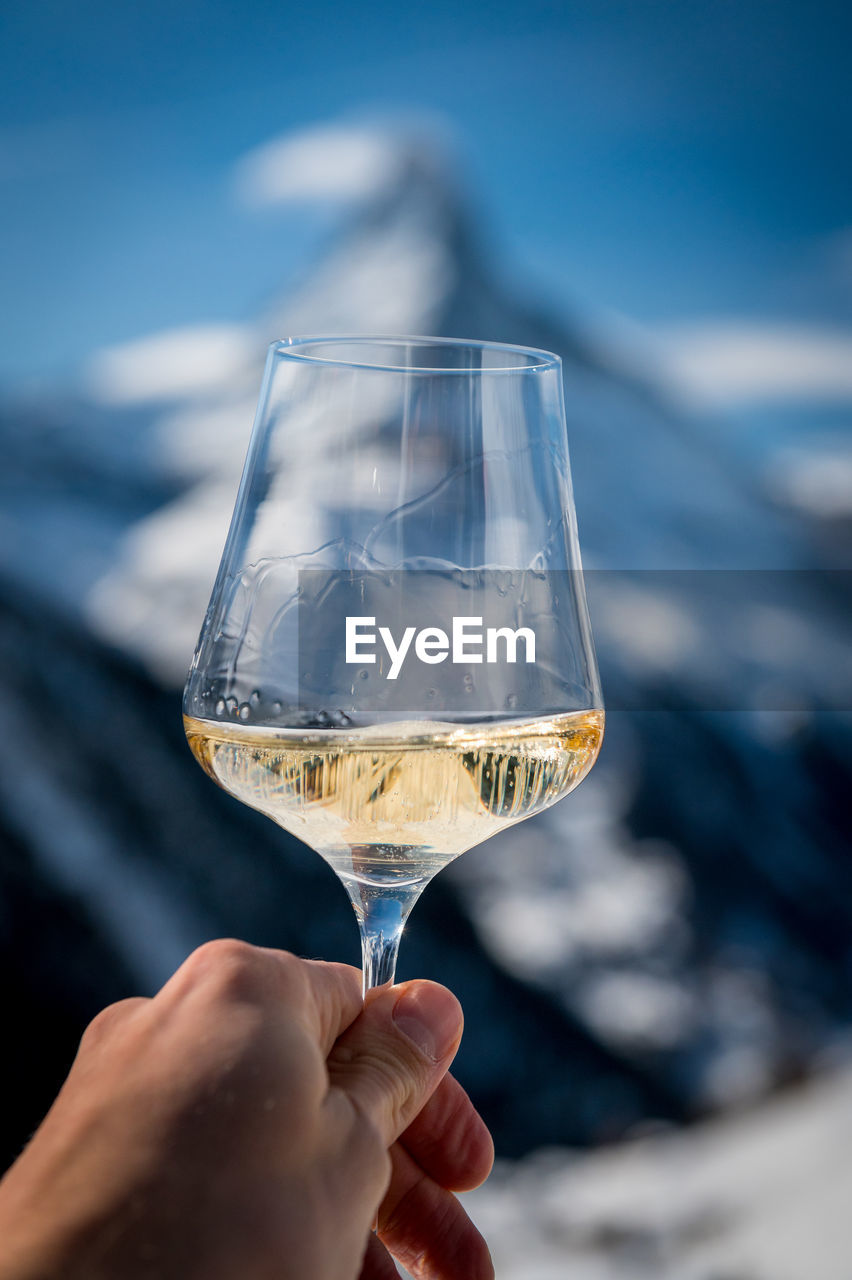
[395, 1054]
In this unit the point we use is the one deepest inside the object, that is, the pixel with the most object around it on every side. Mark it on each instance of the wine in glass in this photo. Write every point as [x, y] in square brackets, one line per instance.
[396, 661]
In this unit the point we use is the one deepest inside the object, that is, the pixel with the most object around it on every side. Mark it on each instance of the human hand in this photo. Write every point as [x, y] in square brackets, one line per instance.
[252, 1120]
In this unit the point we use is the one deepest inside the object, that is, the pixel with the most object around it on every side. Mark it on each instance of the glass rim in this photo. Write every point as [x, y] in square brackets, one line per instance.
[538, 360]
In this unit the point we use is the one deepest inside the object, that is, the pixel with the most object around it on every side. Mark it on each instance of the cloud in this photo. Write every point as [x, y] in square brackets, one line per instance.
[736, 362]
[326, 162]
[170, 364]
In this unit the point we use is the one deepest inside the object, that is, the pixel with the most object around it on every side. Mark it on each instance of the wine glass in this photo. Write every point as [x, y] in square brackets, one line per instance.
[396, 661]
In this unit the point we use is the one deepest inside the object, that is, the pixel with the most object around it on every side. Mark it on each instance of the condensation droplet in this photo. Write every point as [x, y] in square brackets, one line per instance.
[276, 708]
[220, 707]
[512, 700]
[231, 706]
[255, 698]
[363, 674]
[245, 711]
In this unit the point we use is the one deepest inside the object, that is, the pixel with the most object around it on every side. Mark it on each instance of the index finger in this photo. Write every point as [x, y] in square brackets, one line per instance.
[324, 998]
[337, 999]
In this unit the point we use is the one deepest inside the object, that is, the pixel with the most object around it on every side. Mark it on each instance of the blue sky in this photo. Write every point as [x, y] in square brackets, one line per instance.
[667, 161]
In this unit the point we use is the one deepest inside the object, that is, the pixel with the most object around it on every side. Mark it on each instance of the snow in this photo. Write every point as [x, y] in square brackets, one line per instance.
[325, 162]
[734, 362]
[171, 364]
[757, 1196]
[815, 482]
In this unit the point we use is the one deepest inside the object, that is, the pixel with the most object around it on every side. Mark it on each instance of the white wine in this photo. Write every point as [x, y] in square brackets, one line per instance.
[394, 803]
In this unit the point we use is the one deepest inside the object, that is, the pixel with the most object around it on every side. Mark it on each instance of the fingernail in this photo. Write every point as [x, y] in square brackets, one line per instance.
[431, 1017]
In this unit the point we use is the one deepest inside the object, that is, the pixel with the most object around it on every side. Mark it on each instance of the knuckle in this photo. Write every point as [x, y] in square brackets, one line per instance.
[370, 1065]
[385, 1087]
[221, 951]
[231, 971]
[231, 966]
[105, 1023]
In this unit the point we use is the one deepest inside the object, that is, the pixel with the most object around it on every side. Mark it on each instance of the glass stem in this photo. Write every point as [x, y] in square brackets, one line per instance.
[382, 911]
